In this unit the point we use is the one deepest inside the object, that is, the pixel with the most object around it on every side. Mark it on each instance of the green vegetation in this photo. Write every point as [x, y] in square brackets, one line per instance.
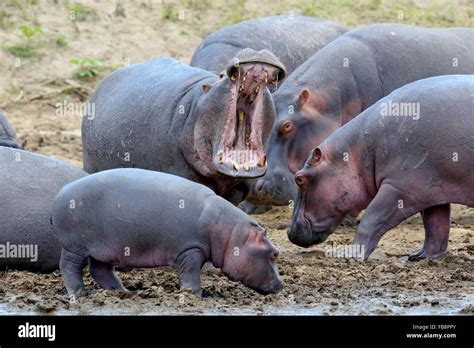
[61, 41]
[14, 90]
[5, 18]
[240, 13]
[88, 68]
[169, 12]
[80, 12]
[26, 49]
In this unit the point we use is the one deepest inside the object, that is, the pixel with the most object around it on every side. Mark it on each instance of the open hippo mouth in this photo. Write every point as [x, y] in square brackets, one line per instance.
[240, 152]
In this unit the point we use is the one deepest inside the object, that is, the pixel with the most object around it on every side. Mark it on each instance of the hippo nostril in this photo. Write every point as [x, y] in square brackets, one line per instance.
[300, 179]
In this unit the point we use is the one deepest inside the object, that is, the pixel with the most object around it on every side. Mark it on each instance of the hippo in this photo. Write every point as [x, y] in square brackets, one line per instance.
[131, 217]
[7, 133]
[166, 116]
[343, 79]
[292, 38]
[28, 184]
[412, 151]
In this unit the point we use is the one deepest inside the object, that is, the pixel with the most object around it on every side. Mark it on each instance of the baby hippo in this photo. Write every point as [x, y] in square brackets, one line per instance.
[413, 151]
[140, 218]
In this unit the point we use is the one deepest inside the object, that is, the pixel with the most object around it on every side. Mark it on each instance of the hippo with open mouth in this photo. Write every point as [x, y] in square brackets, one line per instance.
[166, 116]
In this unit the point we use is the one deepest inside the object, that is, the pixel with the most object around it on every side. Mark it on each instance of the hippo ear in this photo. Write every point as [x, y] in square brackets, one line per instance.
[315, 157]
[308, 100]
[304, 97]
[206, 88]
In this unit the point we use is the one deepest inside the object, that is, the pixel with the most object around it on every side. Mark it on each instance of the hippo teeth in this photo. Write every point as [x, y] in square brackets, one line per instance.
[241, 117]
[246, 167]
[236, 166]
[262, 161]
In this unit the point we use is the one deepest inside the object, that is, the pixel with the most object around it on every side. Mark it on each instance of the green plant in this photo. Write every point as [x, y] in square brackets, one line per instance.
[14, 90]
[168, 12]
[79, 12]
[88, 68]
[5, 18]
[25, 49]
[29, 32]
[61, 41]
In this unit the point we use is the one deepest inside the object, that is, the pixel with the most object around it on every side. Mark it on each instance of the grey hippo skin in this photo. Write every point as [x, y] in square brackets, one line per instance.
[343, 79]
[7, 133]
[293, 39]
[28, 184]
[166, 116]
[411, 152]
[140, 218]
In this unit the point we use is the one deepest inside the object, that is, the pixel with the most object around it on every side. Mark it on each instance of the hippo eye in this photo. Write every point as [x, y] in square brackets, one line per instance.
[273, 255]
[286, 127]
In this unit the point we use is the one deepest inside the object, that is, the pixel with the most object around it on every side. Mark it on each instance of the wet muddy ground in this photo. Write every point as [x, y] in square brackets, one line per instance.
[314, 283]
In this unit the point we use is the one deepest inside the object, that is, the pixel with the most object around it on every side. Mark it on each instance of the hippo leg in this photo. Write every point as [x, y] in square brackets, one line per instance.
[71, 266]
[250, 208]
[388, 209]
[237, 194]
[190, 263]
[437, 222]
[103, 273]
[87, 165]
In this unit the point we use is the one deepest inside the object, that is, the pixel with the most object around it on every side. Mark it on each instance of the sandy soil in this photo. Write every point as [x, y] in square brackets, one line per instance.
[314, 284]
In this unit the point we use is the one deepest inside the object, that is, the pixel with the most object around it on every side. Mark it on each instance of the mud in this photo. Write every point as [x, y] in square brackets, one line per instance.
[313, 282]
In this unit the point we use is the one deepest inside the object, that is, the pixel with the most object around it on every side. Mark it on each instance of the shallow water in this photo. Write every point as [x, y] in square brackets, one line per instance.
[374, 306]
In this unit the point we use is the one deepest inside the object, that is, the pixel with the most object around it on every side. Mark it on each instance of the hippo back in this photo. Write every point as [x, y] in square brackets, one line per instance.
[293, 39]
[154, 92]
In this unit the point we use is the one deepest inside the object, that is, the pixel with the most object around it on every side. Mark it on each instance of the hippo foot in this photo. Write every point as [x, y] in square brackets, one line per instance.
[364, 244]
[71, 266]
[195, 292]
[423, 254]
